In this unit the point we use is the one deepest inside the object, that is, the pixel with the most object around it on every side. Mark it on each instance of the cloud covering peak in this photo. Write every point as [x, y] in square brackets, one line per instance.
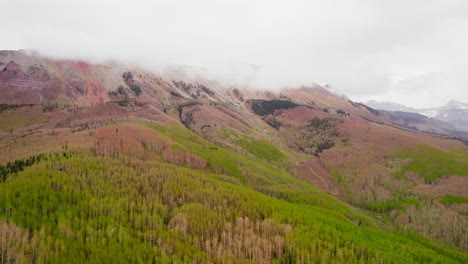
[411, 52]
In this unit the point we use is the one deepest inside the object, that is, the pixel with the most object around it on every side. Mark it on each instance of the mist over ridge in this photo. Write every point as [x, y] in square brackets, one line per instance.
[369, 50]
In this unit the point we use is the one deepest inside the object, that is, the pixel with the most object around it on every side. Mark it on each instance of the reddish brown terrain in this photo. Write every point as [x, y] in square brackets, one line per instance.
[340, 146]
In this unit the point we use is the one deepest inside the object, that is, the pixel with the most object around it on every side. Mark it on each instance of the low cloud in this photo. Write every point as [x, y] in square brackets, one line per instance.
[389, 50]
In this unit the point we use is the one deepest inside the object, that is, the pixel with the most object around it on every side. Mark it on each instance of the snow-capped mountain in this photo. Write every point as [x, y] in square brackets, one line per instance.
[454, 112]
[454, 104]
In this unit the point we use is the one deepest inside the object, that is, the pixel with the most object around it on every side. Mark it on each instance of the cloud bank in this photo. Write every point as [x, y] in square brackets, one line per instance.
[411, 52]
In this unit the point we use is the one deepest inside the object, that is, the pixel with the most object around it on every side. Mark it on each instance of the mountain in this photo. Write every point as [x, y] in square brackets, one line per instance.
[421, 122]
[454, 104]
[117, 164]
[389, 106]
[454, 114]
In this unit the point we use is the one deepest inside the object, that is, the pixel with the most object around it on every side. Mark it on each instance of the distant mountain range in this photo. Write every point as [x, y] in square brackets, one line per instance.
[454, 113]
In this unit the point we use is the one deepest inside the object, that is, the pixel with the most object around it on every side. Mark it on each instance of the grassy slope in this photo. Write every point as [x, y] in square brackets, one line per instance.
[431, 163]
[120, 210]
[23, 117]
[451, 199]
[392, 186]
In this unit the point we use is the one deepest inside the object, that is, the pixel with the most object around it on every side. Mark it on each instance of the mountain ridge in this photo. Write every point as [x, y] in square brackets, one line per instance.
[454, 112]
[159, 167]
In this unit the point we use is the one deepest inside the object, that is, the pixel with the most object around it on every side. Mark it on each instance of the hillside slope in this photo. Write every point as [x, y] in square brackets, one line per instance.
[116, 164]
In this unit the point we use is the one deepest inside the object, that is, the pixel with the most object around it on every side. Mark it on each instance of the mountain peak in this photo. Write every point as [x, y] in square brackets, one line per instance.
[455, 104]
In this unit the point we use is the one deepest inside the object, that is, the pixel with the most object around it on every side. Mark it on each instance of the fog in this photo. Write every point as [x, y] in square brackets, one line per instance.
[411, 52]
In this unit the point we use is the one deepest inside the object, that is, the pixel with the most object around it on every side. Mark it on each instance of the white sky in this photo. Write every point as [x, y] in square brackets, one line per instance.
[413, 52]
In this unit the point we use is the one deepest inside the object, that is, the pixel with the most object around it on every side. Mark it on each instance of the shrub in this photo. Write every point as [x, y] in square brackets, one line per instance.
[49, 107]
[136, 89]
[272, 121]
[127, 76]
[176, 94]
[206, 89]
[341, 112]
[186, 87]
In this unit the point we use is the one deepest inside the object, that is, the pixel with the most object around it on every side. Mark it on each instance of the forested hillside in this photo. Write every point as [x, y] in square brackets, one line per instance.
[145, 201]
[110, 165]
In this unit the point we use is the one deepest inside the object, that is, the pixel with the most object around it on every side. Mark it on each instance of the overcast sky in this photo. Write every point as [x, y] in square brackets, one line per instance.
[413, 52]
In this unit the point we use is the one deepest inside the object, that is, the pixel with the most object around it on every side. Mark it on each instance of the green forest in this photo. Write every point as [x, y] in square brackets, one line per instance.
[166, 195]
